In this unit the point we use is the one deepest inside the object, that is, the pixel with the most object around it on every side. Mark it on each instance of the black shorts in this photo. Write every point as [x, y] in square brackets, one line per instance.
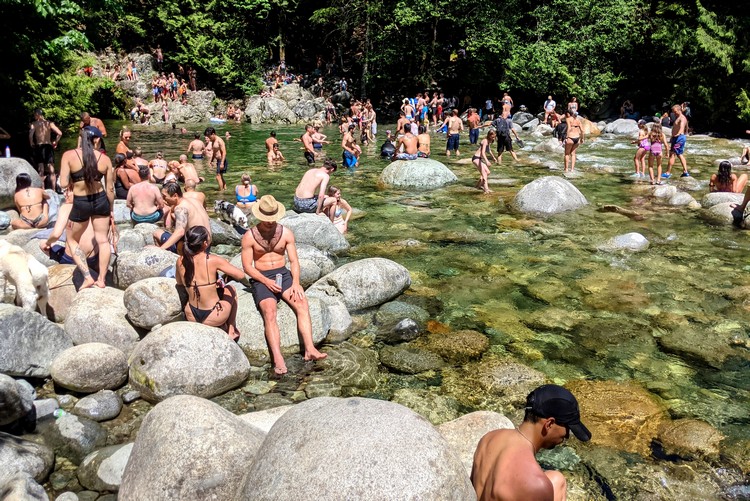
[87, 206]
[44, 154]
[504, 143]
[222, 166]
[310, 158]
[261, 292]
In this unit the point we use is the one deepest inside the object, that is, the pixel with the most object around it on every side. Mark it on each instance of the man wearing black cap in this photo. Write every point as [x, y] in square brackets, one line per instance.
[505, 467]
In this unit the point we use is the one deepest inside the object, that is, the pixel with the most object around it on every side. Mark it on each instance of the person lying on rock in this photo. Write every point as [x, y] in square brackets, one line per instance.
[505, 467]
[263, 251]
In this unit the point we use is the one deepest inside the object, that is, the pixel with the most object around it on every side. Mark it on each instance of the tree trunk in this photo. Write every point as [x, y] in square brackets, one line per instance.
[366, 53]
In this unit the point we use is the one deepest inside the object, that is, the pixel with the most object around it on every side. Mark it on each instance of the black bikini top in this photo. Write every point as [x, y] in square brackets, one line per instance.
[79, 175]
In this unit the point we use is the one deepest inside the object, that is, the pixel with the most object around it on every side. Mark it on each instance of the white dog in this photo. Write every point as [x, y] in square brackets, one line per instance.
[28, 275]
[230, 213]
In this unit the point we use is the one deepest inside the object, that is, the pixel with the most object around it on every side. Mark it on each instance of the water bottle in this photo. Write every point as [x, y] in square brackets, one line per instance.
[59, 413]
[7, 151]
[279, 280]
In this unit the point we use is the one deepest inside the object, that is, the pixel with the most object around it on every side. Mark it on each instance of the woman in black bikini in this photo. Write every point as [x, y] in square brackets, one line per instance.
[210, 302]
[573, 140]
[481, 162]
[31, 203]
[91, 177]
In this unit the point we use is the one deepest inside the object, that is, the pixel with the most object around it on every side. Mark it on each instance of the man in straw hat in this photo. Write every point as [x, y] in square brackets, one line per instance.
[263, 249]
[505, 466]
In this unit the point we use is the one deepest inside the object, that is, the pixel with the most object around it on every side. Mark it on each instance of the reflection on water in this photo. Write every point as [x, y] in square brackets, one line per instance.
[539, 289]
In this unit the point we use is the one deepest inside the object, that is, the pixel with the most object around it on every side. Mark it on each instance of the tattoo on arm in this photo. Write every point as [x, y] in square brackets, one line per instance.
[181, 218]
[83, 265]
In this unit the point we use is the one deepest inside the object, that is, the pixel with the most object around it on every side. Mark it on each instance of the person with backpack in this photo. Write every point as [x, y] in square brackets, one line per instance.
[504, 127]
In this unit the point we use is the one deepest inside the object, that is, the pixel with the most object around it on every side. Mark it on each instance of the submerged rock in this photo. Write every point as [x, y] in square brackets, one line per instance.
[429, 403]
[342, 435]
[690, 439]
[633, 242]
[409, 359]
[458, 347]
[549, 195]
[421, 174]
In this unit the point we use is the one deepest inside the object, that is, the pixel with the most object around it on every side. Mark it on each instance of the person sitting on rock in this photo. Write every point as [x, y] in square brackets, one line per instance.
[31, 203]
[409, 143]
[505, 467]
[423, 141]
[726, 181]
[187, 213]
[210, 302]
[247, 192]
[334, 207]
[144, 199]
[264, 248]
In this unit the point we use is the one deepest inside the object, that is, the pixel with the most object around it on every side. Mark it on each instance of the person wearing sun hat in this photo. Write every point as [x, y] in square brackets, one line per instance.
[505, 467]
[264, 248]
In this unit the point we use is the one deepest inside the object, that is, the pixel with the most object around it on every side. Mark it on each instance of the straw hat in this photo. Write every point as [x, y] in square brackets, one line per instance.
[268, 209]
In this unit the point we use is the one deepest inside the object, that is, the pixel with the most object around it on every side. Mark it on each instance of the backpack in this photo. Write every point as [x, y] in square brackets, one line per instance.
[502, 128]
[561, 131]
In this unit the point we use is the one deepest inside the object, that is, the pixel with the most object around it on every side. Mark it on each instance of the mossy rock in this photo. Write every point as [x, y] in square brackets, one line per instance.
[457, 347]
[690, 439]
[409, 359]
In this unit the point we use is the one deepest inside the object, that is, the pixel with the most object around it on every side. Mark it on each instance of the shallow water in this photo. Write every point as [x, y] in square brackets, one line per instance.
[537, 287]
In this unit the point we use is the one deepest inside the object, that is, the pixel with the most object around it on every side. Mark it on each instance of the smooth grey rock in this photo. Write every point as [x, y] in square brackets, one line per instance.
[121, 212]
[549, 195]
[722, 213]
[523, 118]
[102, 470]
[75, 437]
[100, 406]
[4, 220]
[223, 233]
[29, 342]
[67, 496]
[62, 290]
[716, 198]
[19, 455]
[634, 242]
[32, 247]
[9, 169]
[551, 145]
[250, 324]
[189, 449]
[316, 231]
[90, 367]
[21, 487]
[412, 461]
[45, 408]
[409, 359]
[463, 434]
[153, 301]
[130, 396]
[421, 174]
[149, 262]
[265, 419]
[187, 358]
[664, 191]
[131, 240]
[321, 259]
[365, 283]
[340, 324]
[16, 401]
[680, 199]
[277, 111]
[99, 316]
[621, 126]
[530, 125]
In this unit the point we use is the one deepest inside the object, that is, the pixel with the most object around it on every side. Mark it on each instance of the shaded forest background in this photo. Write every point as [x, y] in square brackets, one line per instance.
[601, 51]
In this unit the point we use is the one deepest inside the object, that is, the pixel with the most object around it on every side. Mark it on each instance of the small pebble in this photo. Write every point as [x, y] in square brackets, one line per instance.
[130, 396]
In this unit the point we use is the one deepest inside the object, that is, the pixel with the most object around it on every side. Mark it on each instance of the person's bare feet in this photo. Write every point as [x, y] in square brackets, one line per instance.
[87, 282]
[314, 355]
[100, 284]
[280, 370]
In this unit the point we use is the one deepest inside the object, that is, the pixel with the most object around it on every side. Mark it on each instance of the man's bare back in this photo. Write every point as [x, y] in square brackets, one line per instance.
[144, 198]
[196, 147]
[454, 125]
[188, 172]
[308, 185]
[410, 144]
[270, 142]
[196, 214]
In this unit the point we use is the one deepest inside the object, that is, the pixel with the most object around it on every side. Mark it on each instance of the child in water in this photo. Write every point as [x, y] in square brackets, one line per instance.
[644, 146]
[658, 144]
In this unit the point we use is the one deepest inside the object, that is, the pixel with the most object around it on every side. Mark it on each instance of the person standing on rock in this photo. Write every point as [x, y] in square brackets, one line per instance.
[677, 142]
[314, 180]
[549, 107]
[159, 58]
[187, 213]
[505, 466]
[264, 248]
[43, 147]
[455, 126]
[219, 149]
[196, 147]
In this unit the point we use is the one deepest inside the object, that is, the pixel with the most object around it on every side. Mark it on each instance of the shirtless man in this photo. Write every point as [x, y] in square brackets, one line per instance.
[219, 155]
[144, 199]
[408, 109]
[409, 142]
[473, 120]
[423, 139]
[349, 155]
[402, 124]
[263, 251]
[305, 199]
[87, 120]
[505, 467]
[158, 168]
[43, 147]
[270, 141]
[455, 126]
[196, 147]
[677, 142]
[138, 159]
[307, 143]
[187, 171]
[275, 156]
[187, 213]
[507, 103]
[190, 192]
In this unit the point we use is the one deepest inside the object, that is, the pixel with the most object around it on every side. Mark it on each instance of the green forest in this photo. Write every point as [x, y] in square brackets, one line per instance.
[601, 51]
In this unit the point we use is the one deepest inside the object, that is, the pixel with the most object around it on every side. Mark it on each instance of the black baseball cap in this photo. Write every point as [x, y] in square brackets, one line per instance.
[553, 401]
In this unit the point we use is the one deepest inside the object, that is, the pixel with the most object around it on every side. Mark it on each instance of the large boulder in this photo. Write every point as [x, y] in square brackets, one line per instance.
[153, 301]
[29, 342]
[121, 212]
[146, 263]
[622, 126]
[223, 233]
[187, 358]
[22, 487]
[16, 399]
[250, 324]
[589, 128]
[90, 367]
[290, 92]
[9, 169]
[690, 439]
[75, 437]
[420, 174]
[276, 111]
[102, 470]
[549, 195]
[342, 98]
[463, 434]
[317, 231]
[308, 110]
[189, 449]
[253, 110]
[365, 283]
[725, 213]
[19, 455]
[551, 145]
[720, 197]
[522, 118]
[99, 316]
[355, 448]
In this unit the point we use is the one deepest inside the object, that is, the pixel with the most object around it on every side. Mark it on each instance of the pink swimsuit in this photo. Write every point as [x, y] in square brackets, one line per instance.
[645, 144]
[656, 149]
